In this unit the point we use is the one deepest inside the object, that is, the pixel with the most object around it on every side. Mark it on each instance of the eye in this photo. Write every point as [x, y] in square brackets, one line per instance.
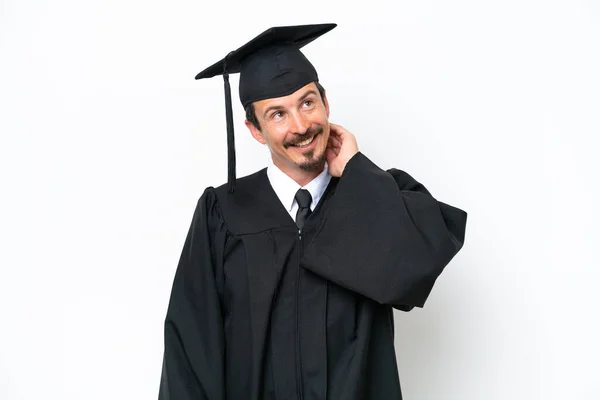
[277, 115]
[307, 103]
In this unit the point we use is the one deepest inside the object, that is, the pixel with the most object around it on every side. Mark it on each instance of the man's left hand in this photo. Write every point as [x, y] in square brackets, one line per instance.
[341, 147]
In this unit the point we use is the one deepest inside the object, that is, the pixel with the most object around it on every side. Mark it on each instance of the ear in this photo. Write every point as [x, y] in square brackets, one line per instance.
[326, 102]
[256, 134]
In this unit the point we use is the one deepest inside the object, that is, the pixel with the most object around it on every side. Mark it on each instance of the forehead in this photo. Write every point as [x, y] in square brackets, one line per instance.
[289, 99]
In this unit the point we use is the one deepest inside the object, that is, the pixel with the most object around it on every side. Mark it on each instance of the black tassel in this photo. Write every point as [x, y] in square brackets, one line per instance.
[230, 133]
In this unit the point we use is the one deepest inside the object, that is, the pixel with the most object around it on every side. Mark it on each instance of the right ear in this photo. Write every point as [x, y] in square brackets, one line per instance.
[256, 134]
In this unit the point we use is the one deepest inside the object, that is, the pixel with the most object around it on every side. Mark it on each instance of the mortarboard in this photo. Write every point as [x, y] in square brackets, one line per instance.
[270, 65]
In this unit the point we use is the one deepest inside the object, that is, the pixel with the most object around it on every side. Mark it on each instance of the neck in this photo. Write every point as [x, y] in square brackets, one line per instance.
[299, 175]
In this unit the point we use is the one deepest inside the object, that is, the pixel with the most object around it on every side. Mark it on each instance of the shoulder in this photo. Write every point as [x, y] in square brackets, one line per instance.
[217, 201]
[215, 194]
[244, 186]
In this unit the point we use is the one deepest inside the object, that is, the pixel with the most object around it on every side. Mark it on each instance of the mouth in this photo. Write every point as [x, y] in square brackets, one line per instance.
[306, 144]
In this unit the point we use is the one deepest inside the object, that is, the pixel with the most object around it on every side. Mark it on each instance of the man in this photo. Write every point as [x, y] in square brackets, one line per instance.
[289, 276]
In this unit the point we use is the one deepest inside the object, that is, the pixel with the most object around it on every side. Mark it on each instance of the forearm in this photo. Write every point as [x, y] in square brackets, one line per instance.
[385, 236]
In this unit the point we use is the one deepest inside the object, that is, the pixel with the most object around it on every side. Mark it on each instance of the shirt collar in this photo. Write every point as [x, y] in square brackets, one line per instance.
[286, 188]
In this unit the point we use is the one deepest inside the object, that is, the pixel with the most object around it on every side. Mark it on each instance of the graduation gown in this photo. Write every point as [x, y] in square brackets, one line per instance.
[259, 310]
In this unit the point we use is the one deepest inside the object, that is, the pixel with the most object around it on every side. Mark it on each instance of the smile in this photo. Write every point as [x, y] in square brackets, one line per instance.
[305, 143]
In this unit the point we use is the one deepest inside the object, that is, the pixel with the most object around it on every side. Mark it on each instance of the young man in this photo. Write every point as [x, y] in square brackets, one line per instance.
[289, 276]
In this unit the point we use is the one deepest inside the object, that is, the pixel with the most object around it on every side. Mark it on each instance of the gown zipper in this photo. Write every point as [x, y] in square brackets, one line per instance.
[298, 363]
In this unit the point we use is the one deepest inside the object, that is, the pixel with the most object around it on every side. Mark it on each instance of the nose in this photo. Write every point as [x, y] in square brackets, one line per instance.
[300, 123]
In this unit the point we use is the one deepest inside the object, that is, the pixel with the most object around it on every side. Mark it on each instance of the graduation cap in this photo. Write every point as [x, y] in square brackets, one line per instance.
[270, 65]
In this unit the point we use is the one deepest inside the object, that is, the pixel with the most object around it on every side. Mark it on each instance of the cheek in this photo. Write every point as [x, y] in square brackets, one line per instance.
[324, 123]
[279, 137]
[326, 133]
[273, 136]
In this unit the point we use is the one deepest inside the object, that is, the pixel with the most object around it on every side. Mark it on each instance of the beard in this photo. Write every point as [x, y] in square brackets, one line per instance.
[312, 162]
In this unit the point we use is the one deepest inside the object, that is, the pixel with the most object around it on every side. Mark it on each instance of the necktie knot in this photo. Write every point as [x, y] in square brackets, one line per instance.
[303, 198]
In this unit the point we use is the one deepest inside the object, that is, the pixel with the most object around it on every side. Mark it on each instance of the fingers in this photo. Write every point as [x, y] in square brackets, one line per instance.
[334, 144]
[330, 155]
[334, 149]
[337, 130]
[335, 141]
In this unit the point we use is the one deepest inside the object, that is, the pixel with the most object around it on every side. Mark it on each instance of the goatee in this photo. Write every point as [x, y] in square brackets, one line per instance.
[312, 164]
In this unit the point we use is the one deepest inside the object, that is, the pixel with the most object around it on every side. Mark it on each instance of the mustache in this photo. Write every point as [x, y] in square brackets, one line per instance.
[310, 132]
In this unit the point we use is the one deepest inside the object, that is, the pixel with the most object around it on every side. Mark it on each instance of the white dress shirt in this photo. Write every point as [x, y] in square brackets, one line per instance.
[286, 188]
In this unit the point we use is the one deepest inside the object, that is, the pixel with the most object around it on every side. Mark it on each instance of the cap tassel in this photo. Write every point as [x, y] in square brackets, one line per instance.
[230, 134]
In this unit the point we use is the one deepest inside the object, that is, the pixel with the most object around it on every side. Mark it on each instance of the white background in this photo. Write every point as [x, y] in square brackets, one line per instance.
[107, 142]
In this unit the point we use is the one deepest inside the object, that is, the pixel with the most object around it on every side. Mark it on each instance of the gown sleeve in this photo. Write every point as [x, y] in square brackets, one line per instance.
[193, 359]
[385, 236]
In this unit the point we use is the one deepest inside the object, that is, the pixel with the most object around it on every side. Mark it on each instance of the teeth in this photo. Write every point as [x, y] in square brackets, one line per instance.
[306, 142]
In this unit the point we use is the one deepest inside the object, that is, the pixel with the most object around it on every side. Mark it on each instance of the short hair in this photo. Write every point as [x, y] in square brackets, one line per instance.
[251, 113]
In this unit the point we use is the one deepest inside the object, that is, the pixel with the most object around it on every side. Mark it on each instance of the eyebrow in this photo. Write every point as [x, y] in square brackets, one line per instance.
[305, 95]
[273, 108]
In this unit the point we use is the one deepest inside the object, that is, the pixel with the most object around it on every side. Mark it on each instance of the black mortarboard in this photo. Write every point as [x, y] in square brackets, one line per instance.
[270, 65]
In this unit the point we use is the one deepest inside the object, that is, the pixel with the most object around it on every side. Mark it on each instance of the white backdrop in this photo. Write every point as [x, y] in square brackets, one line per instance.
[107, 142]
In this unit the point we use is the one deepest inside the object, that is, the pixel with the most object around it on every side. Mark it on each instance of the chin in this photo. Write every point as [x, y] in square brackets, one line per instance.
[312, 164]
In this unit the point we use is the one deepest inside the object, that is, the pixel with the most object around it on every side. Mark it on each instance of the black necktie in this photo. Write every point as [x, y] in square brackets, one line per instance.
[304, 199]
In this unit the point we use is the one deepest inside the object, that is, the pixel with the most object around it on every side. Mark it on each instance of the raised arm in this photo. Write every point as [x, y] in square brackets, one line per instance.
[385, 236]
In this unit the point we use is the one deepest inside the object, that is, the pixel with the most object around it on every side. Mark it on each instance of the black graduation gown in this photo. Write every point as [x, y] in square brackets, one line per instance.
[258, 311]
